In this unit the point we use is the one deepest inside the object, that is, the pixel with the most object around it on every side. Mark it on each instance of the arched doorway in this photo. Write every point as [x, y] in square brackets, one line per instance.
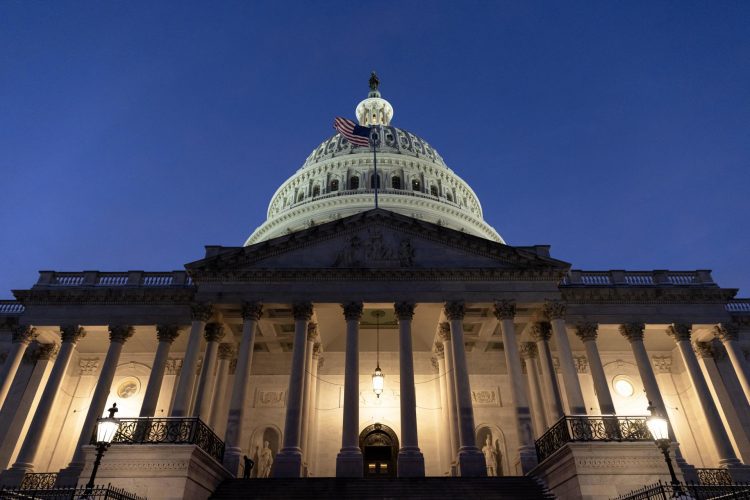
[379, 446]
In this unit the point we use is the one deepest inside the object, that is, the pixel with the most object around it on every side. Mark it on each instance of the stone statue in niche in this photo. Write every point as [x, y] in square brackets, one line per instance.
[490, 457]
[265, 461]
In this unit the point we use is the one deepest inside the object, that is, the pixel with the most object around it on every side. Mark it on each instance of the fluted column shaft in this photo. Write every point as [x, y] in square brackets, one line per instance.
[445, 424]
[587, 332]
[542, 332]
[349, 459]
[218, 412]
[214, 333]
[471, 460]
[450, 386]
[729, 336]
[529, 354]
[21, 339]
[184, 392]
[312, 414]
[289, 460]
[410, 458]
[555, 312]
[312, 335]
[251, 314]
[166, 334]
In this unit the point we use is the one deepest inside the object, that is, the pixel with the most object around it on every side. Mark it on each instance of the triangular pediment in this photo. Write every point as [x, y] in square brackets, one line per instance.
[376, 239]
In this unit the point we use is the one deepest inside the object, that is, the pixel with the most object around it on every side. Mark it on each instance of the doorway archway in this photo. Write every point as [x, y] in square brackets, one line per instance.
[379, 446]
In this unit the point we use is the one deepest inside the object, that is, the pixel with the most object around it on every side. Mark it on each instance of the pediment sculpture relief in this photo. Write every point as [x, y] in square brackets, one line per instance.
[375, 251]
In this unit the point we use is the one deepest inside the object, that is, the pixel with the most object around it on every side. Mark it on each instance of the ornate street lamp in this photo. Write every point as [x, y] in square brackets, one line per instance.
[378, 379]
[659, 429]
[106, 428]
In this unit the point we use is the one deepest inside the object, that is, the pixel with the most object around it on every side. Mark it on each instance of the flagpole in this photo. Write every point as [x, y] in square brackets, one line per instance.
[376, 180]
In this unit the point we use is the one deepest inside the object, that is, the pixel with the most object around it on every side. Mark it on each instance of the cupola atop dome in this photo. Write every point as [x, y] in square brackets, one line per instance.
[374, 110]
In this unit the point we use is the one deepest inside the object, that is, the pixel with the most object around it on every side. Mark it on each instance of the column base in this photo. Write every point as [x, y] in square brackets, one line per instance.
[527, 459]
[69, 476]
[349, 463]
[471, 462]
[13, 477]
[288, 463]
[454, 470]
[232, 457]
[410, 463]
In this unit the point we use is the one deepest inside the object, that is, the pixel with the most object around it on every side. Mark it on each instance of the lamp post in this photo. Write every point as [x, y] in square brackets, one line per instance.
[106, 429]
[659, 429]
[378, 379]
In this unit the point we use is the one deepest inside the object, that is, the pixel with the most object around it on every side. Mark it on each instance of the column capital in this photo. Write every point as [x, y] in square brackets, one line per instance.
[46, 351]
[505, 309]
[167, 333]
[252, 310]
[317, 349]
[404, 310]
[541, 330]
[120, 333]
[553, 309]
[439, 350]
[226, 350]
[703, 349]
[727, 331]
[455, 310]
[444, 331]
[528, 350]
[312, 332]
[679, 332]
[352, 311]
[632, 331]
[587, 330]
[302, 310]
[72, 333]
[201, 312]
[23, 334]
[214, 332]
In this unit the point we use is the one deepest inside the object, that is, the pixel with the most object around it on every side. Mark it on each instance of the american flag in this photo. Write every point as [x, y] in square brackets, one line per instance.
[356, 134]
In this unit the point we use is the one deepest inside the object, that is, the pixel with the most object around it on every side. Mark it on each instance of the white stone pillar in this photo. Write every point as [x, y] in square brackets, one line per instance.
[681, 335]
[505, 312]
[349, 460]
[218, 412]
[214, 333]
[444, 332]
[529, 354]
[288, 462]
[728, 333]
[21, 337]
[118, 334]
[313, 412]
[444, 430]
[166, 334]
[410, 458]
[555, 313]
[541, 332]
[470, 459]
[251, 314]
[201, 313]
[587, 332]
[312, 335]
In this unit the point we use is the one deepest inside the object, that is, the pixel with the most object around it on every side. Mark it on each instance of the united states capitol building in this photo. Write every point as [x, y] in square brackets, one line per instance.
[492, 359]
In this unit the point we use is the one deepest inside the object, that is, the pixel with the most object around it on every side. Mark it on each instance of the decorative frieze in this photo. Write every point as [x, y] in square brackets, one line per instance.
[269, 398]
[581, 364]
[88, 366]
[486, 397]
[662, 364]
[173, 366]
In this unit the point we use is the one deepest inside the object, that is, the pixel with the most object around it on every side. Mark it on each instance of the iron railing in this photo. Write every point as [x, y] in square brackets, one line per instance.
[665, 491]
[713, 476]
[170, 430]
[591, 428]
[72, 493]
[39, 480]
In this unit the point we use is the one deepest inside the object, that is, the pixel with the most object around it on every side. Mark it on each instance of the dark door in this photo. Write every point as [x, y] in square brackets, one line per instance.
[379, 446]
[378, 461]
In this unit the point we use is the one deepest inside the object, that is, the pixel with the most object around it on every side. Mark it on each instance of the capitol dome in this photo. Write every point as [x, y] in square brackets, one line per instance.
[338, 179]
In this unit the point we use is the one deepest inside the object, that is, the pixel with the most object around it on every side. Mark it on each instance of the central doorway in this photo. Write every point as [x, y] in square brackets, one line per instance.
[379, 446]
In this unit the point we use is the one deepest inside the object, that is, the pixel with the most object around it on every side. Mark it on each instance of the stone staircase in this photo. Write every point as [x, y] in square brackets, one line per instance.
[502, 488]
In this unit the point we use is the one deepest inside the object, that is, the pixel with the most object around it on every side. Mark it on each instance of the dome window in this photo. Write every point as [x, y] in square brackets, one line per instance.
[316, 191]
[300, 197]
[449, 197]
[416, 185]
[335, 185]
[396, 182]
[375, 182]
[433, 190]
[354, 183]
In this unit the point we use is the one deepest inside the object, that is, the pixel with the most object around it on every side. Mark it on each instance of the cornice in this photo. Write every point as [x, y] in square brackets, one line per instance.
[106, 296]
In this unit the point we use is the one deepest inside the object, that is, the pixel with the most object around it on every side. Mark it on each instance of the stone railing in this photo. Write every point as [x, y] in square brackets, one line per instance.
[170, 430]
[591, 428]
[101, 279]
[11, 307]
[638, 278]
[738, 306]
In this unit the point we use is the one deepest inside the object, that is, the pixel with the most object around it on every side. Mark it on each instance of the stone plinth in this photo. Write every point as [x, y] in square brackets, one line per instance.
[594, 471]
[166, 472]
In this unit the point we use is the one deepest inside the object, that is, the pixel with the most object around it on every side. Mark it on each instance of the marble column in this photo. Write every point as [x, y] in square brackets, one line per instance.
[530, 356]
[505, 312]
[214, 333]
[251, 314]
[470, 459]
[445, 424]
[444, 332]
[312, 335]
[312, 413]
[201, 313]
[349, 460]
[728, 333]
[541, 332]
[681, 334]
[555, 313]
[410, 458]
[587, 332]
[165, 334]
[288, 462]
[118, 334]
[218, 412]
[21, 338]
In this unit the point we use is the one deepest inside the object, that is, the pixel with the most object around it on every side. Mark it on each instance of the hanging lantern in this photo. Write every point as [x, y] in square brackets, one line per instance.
[378, 379]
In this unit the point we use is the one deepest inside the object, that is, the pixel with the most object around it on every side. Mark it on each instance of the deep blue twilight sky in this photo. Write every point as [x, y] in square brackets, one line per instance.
[133, 133]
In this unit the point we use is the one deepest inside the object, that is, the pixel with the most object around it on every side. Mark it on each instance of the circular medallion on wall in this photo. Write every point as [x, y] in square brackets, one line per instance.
[623, 386]
[129, 387]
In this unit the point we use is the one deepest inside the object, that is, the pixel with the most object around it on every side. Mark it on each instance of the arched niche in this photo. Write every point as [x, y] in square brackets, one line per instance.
[379, 445]
[498, 445]
[267, 433]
